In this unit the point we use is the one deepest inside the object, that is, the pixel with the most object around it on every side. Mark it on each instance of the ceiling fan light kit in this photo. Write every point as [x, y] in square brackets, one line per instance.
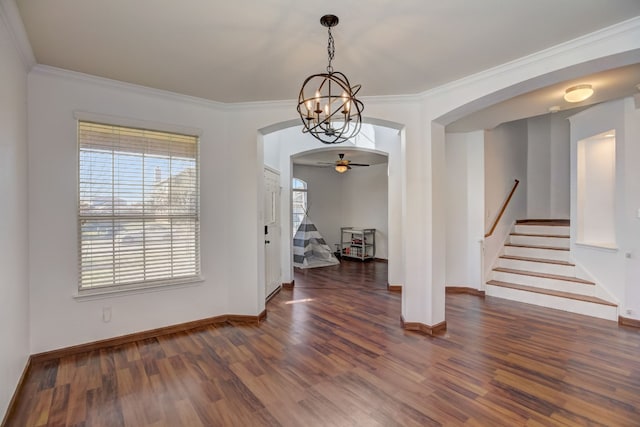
[327, 102]
[342, 165]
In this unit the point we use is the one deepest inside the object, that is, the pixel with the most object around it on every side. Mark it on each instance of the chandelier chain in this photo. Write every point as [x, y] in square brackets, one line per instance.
[331, 51]
[327, 103]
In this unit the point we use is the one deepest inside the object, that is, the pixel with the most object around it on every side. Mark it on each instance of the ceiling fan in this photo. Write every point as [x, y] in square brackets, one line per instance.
[342, 165]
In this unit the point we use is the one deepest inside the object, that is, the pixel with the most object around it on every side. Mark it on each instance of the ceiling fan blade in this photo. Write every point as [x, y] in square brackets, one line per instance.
[358, 164]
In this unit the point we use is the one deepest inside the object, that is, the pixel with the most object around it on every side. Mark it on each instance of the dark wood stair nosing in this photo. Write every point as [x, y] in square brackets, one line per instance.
[559, 236]
[553, 248]
[551, 292]
[543, 275]
[539, 260]
[545, 222]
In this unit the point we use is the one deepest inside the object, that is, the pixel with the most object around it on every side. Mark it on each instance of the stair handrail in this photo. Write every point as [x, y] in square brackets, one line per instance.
[504, 208]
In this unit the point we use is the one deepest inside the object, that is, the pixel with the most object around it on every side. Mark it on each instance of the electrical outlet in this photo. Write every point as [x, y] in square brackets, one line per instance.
[629, 311]
[106, 314]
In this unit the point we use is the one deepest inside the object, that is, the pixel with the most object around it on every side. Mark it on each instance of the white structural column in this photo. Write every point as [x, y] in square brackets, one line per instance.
[424, 232]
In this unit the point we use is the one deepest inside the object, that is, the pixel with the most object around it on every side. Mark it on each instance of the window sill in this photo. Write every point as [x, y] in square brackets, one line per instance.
[117, 291]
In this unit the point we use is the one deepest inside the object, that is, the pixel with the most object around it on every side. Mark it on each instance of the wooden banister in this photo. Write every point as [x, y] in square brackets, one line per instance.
[504, 208]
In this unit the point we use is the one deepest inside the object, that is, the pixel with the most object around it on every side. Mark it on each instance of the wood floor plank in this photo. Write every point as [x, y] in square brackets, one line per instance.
[332, 352]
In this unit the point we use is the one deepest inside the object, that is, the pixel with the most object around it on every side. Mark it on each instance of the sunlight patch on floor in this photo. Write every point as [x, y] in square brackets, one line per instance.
[296, 301]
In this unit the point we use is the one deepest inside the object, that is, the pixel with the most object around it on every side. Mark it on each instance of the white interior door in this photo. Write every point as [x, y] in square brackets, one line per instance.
[272, 230]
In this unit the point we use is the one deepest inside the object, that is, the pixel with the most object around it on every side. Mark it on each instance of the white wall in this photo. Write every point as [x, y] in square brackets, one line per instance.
[548, 166]
[59, 320]
[631, 218]
[365, 198]
[618, 275]
[539, 167]
[560, 194]
[505, 160]
[596, 186]
[14, 289]
[465, 208]
[271, 151]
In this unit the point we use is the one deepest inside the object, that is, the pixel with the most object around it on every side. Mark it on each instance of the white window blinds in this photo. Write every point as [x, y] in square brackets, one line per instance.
[138, 210]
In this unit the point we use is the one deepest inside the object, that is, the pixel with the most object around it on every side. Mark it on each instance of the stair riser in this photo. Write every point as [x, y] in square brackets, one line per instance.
[537, 253]
[559, 303]
[544, 283]
[556, 242]
[540, 267]
[542, 229]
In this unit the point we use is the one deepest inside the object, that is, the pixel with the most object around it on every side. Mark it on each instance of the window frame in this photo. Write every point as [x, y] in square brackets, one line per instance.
[304, 190]
[149, 284]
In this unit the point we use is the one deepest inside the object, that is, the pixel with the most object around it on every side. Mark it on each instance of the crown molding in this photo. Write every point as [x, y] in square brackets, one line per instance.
[394, 99]
[261, 105]
[46, 70]
[10, 16]
[629, 28]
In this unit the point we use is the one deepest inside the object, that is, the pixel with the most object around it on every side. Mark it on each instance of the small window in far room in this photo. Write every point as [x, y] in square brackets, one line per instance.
[298, 203]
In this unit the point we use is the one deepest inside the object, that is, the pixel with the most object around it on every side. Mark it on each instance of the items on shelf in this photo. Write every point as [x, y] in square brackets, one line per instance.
[359, 243]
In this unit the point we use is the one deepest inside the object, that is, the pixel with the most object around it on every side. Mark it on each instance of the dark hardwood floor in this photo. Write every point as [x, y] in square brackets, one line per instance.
[332, 353]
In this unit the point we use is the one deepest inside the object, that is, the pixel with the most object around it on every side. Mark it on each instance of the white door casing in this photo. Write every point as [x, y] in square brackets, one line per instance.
[272, 230]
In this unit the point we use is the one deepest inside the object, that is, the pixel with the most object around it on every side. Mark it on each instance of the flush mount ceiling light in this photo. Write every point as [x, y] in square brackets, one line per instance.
[327, 102]
[578, 93]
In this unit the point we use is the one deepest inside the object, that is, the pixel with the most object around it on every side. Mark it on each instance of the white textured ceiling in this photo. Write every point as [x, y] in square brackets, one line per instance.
[242, 50]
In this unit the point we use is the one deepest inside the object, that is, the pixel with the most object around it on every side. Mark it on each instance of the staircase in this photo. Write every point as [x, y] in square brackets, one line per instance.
[536, 268]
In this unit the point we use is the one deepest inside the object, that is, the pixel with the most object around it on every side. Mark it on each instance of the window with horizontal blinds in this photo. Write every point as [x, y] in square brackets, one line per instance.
[138, 209]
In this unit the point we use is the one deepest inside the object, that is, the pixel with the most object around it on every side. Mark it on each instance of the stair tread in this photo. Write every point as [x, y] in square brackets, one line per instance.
[554, 248]
[569, 295]
[541, 260]
[544, 222]
[544, 275]
[564, 236]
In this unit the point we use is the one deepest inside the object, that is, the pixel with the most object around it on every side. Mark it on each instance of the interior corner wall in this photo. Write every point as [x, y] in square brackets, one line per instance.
[610, 267]
[539, 167]
[58, 319]
[505, 160]
[465, 207]
[389, 140]
[365, 199]
[548, 166]
[631, 303]
[560, 167]
[271, 151]
[14, 286]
